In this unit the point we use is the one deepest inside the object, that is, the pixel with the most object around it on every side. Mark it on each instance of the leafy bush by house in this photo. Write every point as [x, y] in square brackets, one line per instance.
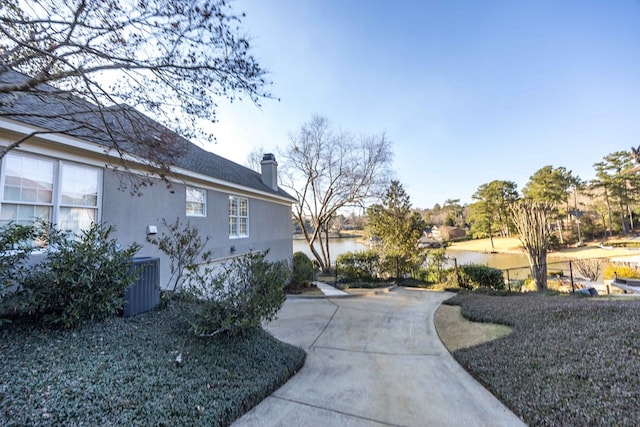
[80, 279]
[184, 247]
[245, 292]
[359, 266]
[302, 269]
[473, 276]
[15, 244]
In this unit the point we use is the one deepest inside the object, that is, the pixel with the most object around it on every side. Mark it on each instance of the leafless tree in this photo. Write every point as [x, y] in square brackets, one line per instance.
[327, 170]
[170, 59]
[254, 159]
[532, 220]
[590, 268]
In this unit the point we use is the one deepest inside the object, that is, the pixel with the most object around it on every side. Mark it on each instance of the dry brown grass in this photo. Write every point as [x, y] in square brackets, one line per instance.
[513, 245]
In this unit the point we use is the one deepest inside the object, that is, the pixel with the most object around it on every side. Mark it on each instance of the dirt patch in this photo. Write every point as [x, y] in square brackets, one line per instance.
[456, 332]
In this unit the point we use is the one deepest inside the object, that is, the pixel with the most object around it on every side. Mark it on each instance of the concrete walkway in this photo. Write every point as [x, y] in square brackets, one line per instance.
[329, 290]
[374, 361]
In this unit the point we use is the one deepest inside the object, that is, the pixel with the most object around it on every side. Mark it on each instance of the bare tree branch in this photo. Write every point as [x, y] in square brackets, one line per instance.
[169, 59]
[327, 171]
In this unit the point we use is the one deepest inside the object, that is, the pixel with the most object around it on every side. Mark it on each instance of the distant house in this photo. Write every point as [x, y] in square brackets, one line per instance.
[434, 237]
[65, 176]
[448, 232]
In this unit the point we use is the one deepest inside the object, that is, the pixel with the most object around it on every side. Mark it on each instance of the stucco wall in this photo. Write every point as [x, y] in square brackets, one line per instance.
[269, 223]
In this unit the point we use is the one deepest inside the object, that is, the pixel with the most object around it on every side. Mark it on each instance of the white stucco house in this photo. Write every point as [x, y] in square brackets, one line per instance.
[65, 174]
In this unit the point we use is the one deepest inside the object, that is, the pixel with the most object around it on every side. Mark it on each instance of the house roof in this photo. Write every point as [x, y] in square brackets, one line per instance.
[54, 110]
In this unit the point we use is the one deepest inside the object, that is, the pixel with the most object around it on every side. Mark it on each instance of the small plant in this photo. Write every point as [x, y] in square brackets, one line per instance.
[245, 292]
[437, 261]
[185, 248]
[303, 271]
[81, 279]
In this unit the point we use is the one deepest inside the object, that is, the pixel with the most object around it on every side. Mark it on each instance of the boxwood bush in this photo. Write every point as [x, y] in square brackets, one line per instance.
[473, 276]
[302, 269]
[359, 266]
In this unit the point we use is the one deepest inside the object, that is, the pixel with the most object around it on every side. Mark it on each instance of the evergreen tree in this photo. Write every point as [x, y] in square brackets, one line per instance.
[399, 228]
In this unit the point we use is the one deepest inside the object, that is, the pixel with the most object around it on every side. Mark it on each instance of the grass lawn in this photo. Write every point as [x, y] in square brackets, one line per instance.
[124, 372]
[569, 360]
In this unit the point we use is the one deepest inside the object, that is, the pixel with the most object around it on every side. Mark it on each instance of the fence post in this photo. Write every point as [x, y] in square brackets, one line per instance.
[455, 265]
[573, 288]
[508, 281]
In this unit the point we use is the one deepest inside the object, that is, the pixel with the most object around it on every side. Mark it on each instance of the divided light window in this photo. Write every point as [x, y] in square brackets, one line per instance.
[51, 190]
[238, 216]
[196, 202]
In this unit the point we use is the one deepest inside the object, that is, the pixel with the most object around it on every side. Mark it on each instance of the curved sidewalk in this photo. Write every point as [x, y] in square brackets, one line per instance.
[374, 360]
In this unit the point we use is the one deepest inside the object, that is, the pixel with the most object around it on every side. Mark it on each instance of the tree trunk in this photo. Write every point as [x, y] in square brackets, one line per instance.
[606, 197]
[559, 227]
[532, 221]
[538, 267]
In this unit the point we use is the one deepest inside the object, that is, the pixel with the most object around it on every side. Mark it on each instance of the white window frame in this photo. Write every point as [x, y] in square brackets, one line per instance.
[234, 230]
[56, 199]
[203, 192]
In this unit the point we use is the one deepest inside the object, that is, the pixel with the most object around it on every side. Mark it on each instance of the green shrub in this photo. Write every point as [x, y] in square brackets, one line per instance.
[81, 279]
[16, 242]
[185, 249]
[623, 272]
[247, 291]
[359, 266]
[473, 276]
[302, 269]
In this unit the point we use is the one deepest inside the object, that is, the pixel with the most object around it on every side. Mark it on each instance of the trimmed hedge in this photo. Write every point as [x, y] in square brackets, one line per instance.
[359, 266]
[303, 270]
[474, 276]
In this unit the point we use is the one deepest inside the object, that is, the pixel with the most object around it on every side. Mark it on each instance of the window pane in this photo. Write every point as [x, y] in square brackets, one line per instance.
[24, 214]
[196, 201]
[79, 185]
[195, 195]
[76, 219]
[28, 179]
[233, 206]
[195, 209]
[232, 226]
[243, 227]
[243, 207]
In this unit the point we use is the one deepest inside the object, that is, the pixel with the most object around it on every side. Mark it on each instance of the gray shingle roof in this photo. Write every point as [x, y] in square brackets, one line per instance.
[58, 111]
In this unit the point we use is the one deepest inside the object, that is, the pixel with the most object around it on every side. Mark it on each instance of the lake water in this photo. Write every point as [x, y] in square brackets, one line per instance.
[517, 264]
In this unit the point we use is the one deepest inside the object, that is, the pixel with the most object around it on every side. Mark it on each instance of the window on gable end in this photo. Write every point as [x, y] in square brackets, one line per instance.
[196, 201]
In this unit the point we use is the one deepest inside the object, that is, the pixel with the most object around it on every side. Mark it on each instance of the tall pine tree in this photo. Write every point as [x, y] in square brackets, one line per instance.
[399, 229]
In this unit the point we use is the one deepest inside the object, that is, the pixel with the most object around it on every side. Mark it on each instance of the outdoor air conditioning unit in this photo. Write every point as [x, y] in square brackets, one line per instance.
[144, 294]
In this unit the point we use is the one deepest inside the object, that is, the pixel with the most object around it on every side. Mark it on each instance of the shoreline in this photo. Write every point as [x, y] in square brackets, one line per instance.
[512, 245]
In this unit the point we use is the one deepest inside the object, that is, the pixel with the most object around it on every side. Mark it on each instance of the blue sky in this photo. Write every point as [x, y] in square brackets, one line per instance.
[467, 91]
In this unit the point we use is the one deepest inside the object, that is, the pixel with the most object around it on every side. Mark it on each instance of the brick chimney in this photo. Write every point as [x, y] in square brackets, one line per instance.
[270, 171]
